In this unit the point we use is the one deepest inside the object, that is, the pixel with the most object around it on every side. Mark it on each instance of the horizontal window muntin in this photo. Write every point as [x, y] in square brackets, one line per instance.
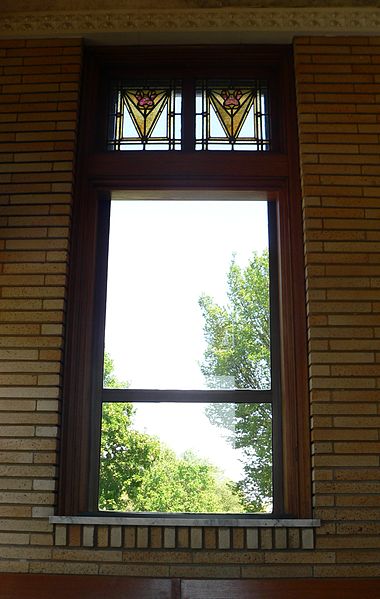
[176, 395]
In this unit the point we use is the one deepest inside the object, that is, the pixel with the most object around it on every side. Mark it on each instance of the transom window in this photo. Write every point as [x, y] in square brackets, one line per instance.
[229, 115]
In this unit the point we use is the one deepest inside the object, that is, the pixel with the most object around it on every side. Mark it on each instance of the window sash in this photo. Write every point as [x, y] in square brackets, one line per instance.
[271, 396]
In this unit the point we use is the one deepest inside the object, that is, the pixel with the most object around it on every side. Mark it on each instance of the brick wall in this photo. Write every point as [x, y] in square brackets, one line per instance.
[338, 87]
[39, 92]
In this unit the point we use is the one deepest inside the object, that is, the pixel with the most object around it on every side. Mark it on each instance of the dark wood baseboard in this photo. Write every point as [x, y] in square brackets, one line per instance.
[337, 588]
[51, 586]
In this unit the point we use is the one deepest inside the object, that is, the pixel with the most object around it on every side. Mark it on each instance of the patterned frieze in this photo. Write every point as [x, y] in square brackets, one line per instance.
[293, 21]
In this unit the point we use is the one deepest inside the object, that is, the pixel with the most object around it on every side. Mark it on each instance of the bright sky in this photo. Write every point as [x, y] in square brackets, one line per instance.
[163, 255]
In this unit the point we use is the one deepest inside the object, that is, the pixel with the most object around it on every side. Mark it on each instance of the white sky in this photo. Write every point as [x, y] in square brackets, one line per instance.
[163, 255]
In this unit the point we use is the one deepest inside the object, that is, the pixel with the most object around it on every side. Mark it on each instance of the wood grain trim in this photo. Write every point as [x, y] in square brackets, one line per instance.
[42, 586]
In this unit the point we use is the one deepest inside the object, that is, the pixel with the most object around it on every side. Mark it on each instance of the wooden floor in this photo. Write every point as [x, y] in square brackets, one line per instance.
[30, 586]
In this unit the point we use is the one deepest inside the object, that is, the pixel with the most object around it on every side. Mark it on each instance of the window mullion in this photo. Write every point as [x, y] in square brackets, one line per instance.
[188, 115]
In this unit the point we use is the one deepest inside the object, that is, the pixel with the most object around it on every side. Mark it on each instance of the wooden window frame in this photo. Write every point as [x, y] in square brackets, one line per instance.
[274, 173]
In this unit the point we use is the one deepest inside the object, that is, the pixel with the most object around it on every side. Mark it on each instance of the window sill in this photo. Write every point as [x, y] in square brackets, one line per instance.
[234, 522]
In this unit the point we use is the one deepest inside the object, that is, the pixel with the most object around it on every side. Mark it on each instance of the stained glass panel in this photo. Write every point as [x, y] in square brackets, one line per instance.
[232, 115]
[145, 115]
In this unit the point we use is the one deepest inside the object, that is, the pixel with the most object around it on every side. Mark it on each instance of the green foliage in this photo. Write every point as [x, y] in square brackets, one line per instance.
[139, 473]
[110, 380]
[186, 484]
[125, 454]
[238, 335]
[125, 457]
[238, 356]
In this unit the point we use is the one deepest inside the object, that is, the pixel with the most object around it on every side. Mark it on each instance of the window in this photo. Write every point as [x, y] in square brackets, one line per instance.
[234, 153]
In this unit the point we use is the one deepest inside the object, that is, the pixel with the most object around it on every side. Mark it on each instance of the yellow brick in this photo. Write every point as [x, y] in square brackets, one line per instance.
[157, 556]
[277, 571]
[156, 537]
[149, 570]
[29, 366]
[14, 566]
[24, 553]
[15, 511]
[228, 557]
[41, 539]
[210, 538]
[102, 536]
[142, 536]
[362, 501]
[87, 555]
[130, 537]
[38, 567]
[307, 557]
[17, 431]
[183, 537]
[347, 542]
[344, 408]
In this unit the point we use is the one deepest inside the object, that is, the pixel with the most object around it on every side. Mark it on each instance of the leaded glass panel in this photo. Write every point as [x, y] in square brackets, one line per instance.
[232, 115]
[145, 115]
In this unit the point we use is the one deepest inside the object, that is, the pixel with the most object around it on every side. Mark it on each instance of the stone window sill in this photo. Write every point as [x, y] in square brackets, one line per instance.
[234, 522]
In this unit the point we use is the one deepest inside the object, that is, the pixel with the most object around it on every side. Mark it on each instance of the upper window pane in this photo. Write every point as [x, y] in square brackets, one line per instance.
[232, 115]
[188, 294]
[145, 115]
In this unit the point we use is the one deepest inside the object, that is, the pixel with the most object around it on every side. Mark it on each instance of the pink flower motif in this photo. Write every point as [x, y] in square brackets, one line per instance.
[145, 99]
[231, 99]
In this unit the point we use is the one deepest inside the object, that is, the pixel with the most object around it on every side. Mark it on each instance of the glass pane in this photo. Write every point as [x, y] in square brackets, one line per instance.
[188, 295]
[186, 457]
[145, 115]
[232, 115]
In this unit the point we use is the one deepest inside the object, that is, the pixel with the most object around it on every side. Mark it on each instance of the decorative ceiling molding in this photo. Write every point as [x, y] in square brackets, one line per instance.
[298, 21]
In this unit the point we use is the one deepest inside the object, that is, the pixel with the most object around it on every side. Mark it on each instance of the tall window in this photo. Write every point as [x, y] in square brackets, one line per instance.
[181, 392]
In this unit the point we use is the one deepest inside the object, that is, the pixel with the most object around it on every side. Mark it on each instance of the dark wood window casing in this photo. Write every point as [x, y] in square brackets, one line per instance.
[272, 175]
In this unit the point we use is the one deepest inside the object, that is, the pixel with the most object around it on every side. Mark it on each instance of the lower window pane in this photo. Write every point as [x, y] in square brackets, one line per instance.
[186, 457]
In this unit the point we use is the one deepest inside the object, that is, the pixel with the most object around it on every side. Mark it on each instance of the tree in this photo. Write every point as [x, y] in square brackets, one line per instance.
[238, 356]
[186, 484]
[139, 473]
[126, 456]
[110, 380]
